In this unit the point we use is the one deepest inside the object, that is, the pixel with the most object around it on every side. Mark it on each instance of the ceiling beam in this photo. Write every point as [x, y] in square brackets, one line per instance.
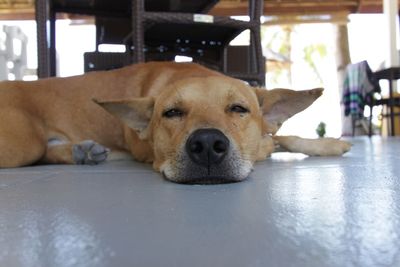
[302, 7]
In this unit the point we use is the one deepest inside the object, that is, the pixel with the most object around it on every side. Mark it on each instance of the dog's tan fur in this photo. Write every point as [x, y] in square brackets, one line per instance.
[44, 120]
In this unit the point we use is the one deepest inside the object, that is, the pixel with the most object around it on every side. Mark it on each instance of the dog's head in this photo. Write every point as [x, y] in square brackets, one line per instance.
[210, 129]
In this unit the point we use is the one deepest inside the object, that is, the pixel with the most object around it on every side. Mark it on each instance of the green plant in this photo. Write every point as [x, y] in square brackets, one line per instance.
[321, 129]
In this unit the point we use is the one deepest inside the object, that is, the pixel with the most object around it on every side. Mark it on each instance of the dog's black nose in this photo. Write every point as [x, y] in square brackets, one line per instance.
[207, 146]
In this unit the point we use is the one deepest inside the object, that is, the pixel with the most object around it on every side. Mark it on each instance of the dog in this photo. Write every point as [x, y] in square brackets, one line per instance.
[195, 125]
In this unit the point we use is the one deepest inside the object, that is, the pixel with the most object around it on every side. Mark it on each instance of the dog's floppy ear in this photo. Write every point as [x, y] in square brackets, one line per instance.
[135, 112]
[278, 105]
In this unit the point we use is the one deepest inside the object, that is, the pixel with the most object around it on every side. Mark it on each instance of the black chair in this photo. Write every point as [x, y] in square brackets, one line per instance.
[377, 100]
[363, 90]
[393, 101]
[95, 61]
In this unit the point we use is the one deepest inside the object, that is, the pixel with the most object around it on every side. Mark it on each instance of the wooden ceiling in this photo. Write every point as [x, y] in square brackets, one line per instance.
[9, 5]
[300, 7]
[17, 9]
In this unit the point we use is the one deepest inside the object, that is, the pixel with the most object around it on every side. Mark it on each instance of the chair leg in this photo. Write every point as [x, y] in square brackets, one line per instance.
[370, 122]
[52, 48]
[42, 17]
[138, 31]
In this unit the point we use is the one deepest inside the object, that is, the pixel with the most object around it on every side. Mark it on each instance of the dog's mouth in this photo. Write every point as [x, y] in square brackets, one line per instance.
[211, 181]
[205, 180]
[185, 171]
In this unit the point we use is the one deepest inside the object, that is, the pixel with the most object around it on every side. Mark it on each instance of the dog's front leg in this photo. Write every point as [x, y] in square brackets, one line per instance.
[86, 152]
[313, 147]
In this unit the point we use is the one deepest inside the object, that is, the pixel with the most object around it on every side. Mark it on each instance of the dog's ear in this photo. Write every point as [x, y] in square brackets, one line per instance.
[278, 105]
[135, 113]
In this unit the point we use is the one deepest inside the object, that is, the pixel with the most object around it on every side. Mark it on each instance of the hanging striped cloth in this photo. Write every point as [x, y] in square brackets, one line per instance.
[358, 88]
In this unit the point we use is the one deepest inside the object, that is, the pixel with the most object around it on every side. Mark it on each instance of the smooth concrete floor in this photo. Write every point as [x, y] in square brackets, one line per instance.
[292, 211]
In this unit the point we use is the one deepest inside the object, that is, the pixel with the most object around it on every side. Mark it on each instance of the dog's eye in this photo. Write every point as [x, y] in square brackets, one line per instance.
[173, 113]
[238, 109]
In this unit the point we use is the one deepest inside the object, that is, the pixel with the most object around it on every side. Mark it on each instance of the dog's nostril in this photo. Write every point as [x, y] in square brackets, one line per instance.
[207, 146]
[220, 146]
[196, 147]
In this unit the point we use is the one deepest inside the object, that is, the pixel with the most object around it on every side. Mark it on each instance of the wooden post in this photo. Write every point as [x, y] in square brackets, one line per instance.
[342, 60]
[390, 9]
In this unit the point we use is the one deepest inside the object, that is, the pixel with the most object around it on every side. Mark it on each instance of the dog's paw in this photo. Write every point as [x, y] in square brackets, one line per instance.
[313, 147]
[343, 146]
[333, 147]
[89, 152]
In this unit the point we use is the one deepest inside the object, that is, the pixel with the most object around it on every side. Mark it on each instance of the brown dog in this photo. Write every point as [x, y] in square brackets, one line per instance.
[195, 125]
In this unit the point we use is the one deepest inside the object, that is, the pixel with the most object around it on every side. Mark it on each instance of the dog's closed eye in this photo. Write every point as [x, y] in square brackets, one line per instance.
[238, 109]
[173, 113]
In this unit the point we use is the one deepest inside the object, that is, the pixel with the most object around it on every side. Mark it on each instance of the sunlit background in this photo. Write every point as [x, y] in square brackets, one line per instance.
[306, 54]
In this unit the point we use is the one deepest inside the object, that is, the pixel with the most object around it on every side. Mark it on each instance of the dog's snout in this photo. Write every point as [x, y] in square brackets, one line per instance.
[207, 146]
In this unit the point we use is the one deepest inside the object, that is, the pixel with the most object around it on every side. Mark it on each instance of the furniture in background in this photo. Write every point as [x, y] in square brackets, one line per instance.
[390, 74]
[11, 52]
[359, 87]
[155, 30]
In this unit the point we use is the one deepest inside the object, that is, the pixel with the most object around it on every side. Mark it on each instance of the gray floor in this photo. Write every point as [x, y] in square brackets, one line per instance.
[293, 211]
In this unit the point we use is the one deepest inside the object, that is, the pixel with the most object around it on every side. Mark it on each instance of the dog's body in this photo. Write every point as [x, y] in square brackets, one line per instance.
[161, 106]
